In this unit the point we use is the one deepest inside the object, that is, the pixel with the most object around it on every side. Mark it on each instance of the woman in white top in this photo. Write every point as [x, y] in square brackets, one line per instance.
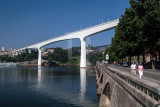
[140, 70]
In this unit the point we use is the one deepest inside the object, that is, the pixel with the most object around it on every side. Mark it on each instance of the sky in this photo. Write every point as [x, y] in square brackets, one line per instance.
[26, 22]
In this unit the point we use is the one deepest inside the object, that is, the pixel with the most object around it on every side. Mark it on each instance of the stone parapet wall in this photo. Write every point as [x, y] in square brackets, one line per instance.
[125, 90]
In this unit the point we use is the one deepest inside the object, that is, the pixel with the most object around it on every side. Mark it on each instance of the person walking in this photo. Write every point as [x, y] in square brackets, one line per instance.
[106, 64]
[133, 68]
[140, 70]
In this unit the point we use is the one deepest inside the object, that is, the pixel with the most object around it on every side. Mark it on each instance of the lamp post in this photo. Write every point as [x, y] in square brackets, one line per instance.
[107, 58]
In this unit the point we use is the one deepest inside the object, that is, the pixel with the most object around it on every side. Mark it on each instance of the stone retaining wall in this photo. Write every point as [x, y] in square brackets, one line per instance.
[119, 89]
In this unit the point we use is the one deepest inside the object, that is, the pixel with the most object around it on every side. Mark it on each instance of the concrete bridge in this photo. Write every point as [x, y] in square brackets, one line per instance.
[81, 34]
[121, 89]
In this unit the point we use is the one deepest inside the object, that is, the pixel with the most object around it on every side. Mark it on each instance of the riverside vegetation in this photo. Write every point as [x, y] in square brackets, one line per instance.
[61, 56]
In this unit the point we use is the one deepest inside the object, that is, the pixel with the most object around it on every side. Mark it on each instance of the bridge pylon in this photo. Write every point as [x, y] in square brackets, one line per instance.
[83, 53]
[39, 57]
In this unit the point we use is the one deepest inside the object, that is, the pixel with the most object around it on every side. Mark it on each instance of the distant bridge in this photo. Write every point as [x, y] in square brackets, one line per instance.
[81, 34]
[120, 89]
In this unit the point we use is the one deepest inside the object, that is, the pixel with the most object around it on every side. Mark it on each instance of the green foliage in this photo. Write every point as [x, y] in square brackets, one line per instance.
[75, 51]
[59, 55]
[137, 31]
[75, 60]
[5, 58]
[27, 56]
[20, 58]
[158, 43]
[94, 57]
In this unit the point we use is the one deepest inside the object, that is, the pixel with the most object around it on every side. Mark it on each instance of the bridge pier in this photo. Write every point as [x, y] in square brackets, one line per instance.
[39, 57]
[83, 53]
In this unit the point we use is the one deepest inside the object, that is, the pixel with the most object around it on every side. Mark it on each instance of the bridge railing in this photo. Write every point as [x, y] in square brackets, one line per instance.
[149, 90]
[94, 26]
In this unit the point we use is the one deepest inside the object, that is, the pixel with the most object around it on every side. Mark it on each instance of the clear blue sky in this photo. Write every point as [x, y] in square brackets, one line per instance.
[25, 22]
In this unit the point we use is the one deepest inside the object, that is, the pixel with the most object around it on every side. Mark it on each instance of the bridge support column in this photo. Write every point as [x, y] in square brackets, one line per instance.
[83, 53]
[39, 57]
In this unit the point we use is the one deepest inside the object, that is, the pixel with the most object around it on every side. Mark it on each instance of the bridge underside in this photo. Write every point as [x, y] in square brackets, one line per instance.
[83, 54]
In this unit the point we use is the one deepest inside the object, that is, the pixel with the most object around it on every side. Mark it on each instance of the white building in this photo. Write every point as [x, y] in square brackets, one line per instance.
[3, 49]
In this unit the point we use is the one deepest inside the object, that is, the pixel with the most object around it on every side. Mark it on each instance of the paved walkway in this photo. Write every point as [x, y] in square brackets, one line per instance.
[152, 70]
[153, 75]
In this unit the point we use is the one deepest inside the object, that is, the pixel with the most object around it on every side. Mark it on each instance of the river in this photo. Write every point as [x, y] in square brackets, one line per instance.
[47, 87]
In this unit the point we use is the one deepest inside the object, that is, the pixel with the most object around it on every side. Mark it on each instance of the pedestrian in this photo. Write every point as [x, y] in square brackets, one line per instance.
[106, 63]
[133, 68]
[103, 62]
[140, 70]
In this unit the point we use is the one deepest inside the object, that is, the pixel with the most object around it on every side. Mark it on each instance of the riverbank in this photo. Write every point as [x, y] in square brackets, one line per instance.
[35, 63]
[23, 64]
[9, 64]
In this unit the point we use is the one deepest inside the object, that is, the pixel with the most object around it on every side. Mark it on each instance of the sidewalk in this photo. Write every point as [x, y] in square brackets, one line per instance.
[128, 68]
[153, 70]
[149, 73]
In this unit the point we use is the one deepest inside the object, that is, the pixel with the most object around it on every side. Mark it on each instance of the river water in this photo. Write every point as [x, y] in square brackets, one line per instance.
[47, 87]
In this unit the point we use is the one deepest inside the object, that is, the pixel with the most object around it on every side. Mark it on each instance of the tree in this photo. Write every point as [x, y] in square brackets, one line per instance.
[148, 23]
[138, 30]
[94, 57]
[59, 55]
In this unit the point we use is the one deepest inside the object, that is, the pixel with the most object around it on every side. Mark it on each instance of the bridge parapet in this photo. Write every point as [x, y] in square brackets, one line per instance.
[143, 91]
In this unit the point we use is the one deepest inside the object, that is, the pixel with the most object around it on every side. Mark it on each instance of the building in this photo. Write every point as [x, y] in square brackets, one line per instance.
[43, 50]
[51, 50]
[1, 53]
[89, 51]
[9, 52]
[10, 49]
[44, 54]
[3, 49]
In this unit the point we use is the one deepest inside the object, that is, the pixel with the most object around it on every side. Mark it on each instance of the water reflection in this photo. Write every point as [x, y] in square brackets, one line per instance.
[82, 84]
[39, 76]
[47, 86]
